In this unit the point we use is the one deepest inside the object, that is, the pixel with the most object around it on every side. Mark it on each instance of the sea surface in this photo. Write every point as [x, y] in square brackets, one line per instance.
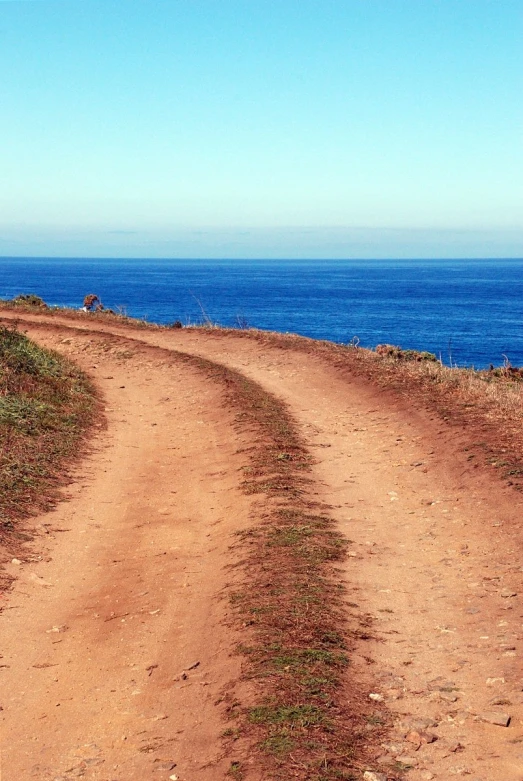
[467, 312]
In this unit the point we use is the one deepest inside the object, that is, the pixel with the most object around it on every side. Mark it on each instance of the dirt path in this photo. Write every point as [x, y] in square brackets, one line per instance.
[114, 651]
[434, 564]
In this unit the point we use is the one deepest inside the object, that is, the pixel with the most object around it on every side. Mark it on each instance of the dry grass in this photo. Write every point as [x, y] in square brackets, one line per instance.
[31, 304]
[290, 603]
[500, 391]
[46, 407]
[485, 406]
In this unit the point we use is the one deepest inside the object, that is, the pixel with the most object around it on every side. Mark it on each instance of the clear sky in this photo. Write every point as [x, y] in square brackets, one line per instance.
[261, 128]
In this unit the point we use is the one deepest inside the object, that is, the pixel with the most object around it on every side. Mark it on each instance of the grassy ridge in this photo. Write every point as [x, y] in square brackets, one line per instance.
[291, 600]
[46, 407]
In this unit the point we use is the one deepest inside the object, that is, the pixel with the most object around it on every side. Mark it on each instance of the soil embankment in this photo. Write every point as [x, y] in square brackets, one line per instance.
[100, 633]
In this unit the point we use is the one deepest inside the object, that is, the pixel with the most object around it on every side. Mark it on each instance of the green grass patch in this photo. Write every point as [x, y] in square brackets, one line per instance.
[235, 771]
[289, 715]
[46, 407]
[278, 745]
[309, 656]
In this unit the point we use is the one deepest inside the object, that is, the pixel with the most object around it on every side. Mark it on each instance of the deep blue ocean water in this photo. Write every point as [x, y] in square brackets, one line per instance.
[468, 312]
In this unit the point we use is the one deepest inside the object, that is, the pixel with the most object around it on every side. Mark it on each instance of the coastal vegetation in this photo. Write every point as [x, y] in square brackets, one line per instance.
[29, 301]
[491, 399]
[46, 408]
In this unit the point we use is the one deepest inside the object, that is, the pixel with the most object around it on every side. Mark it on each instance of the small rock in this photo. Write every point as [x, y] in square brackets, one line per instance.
[421, 724]
[391, 748]
[376, 697]
[448, 696]
[395, 694]
[407, 761]
[491, 717]
[461, 717]
[456, 746]
[506, 593]
[370, 775]
[94, 761]
[426, 775]
[34, 578]
[15, 561]
[168, 765]
[440, 684]
[494, 681]
[415, 738]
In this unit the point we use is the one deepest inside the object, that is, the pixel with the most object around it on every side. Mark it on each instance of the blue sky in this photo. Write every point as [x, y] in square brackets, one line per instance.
[261, 128]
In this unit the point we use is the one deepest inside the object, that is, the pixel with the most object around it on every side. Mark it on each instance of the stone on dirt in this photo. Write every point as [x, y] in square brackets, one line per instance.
[408, 761]
[448, 696]
[491, 717]
[421, 724]
[369, 775]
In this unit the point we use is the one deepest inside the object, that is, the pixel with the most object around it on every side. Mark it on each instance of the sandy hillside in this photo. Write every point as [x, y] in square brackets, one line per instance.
[119, 656]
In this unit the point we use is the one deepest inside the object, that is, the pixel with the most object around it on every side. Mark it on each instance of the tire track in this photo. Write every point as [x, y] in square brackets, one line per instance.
[434, 567]
[295, 713]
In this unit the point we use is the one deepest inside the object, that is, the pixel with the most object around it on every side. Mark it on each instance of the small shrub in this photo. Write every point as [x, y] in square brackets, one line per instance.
[29, 299]
[393, 351]
[92, 303]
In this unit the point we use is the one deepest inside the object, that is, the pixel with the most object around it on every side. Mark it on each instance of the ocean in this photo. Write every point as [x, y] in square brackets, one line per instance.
[467, 312]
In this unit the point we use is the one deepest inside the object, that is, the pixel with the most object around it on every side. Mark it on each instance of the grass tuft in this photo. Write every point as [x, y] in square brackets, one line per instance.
[290, 716]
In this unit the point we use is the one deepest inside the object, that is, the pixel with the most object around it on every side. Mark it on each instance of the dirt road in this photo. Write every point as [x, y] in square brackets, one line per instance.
[117, 655]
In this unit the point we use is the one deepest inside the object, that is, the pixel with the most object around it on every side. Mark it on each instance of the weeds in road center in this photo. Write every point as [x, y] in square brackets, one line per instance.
[290, 601]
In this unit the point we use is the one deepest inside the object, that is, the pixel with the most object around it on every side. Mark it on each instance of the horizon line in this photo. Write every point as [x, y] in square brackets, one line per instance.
[260, 258]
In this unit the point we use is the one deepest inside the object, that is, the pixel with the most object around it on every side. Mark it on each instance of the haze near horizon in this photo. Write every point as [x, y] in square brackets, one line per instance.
[355, 129]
